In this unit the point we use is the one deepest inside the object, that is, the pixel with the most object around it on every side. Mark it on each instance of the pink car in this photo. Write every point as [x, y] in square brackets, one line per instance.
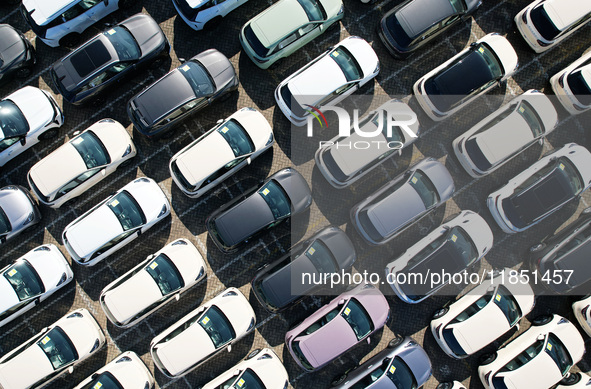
[343, 323]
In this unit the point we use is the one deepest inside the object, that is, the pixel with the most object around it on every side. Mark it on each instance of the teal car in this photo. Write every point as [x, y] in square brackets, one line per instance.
[285, 27]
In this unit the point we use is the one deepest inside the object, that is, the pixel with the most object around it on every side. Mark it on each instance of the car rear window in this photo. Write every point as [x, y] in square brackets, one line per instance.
[255, 42]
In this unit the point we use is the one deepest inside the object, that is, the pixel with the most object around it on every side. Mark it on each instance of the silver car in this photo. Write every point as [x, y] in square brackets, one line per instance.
[403, 201]
[342, 163]
[526, 120]
[18, 212]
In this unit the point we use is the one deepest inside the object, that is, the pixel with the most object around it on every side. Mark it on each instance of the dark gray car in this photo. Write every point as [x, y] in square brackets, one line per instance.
[565, 255]
[281, 284]
[187, 89]
[109, 58]
[413, 23]
[403, 201]
[17, 55]
[403, 364]
[281, 196]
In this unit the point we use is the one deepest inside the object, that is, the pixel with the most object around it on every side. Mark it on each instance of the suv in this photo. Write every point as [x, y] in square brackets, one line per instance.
[60, 22]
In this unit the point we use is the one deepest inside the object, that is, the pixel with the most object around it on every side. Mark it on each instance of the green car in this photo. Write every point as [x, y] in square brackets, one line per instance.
[285, 27]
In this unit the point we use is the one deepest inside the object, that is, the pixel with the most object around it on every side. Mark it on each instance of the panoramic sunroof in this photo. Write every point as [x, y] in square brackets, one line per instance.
[89, 59]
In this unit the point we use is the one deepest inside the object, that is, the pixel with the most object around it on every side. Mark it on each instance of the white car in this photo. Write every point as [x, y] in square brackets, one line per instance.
[27, 117]
[18, 212]
[53, 352]
[526, 120]
[472, 72]
[545, 23]
[81, 163]
[538, 358]
[204, 332]
[541, 189]
[482, 315]
[328, 79]
[582, 312]
[205, 14]
[572, 85]
[345, 159]
[260, 369]
[575, 381]
[161, 278]
[126, 371]
[219, 153]
[60, 22]
[115, 221]
[451, 385]
[451, 248]
[31, 279]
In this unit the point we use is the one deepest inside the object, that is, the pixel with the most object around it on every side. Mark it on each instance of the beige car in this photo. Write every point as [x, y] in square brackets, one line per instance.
[81, 163]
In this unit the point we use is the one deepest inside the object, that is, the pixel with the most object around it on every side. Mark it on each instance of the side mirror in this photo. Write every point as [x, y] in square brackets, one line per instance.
[103, 172]
[106, 2]
[182, 60]
[220, 121]
[342, 301]
[70, 369]
[177, 296]
[76, 133]
[229, 348]
[236, 372]
[23, 141]
[541, 337]
[3, 239]
[248, 160]
[368, 340]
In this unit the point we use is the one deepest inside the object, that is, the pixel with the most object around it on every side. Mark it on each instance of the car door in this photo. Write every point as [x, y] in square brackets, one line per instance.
[91, 12]
[80, 184]
[11, 147]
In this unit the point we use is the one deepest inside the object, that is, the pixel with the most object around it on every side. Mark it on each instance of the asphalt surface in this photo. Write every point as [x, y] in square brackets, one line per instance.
[188, 216]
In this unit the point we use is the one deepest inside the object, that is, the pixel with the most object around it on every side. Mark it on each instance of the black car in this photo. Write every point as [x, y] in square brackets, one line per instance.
[182, 92]
[413, 23]
[109, 58]
[562, 260]
[17, 55]
[281, 196]
[281, 283]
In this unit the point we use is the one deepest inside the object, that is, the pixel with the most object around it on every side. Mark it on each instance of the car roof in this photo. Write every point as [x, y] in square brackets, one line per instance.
[565, 13]
[418, 15]
[280, 19]
[46, 10]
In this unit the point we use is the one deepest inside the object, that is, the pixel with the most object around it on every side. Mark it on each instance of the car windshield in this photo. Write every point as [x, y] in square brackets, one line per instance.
[580, 87]
[104, 381]
[165, 274]
[559, 354]
[124, 43]
[198, 78]
[12, 124]
[91, 149]
[313, 10]
[527, 112]
[24, 280]
[347, 63]
[493, 63]
[508, 305]
[276, 199]
[58, 348]
[237, 138]
[127, 211]
[248, 380]
[358, 319]
[425, 189]
[217, 326]
[5, 226]
[321, 257]
[543, 23]
[401, 375]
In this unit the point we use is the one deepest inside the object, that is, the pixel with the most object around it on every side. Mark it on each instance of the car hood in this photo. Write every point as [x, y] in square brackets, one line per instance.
[132, 296]
[16, 205]
[279, 287]
[51, 173]
[296, 187]
[146, 32]
[218, 66]
[93, 231]
[350, 160]
[163, 96]
[388, 218]
[328, 342]
[317, 81]
[204, 158]
[195, 339]
[493, 143]
[278, 21]
[49, 265]
[17, 372]
[9, 297]
[34, 105]
[11, 44]
[491, 324]
[244, 219]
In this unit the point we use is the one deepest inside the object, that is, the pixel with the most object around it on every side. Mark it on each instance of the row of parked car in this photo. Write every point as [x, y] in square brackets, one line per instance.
[107, 59]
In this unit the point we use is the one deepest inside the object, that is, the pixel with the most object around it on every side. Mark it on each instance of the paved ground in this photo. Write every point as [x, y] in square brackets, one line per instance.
[187, 220]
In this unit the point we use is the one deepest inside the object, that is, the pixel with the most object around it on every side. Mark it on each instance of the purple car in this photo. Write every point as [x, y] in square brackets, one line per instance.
[343, 323]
